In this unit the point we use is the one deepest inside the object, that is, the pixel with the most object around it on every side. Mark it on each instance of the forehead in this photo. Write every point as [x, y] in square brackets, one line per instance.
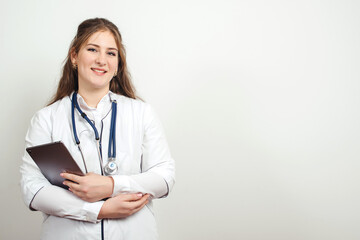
[102, 38]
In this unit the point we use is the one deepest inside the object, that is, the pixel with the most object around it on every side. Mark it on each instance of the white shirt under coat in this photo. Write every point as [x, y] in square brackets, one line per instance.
[142, 154]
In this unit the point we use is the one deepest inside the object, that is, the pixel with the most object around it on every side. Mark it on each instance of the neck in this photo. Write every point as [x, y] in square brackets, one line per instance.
[92, 98]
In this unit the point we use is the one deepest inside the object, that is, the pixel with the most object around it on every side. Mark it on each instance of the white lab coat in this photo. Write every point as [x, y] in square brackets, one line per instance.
[143, 157]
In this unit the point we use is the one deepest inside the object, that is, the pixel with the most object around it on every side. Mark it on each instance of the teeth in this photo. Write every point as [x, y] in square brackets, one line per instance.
[99, 71]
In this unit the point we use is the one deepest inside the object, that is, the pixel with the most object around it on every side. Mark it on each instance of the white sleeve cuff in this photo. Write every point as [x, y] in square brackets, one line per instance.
[92, 211]
[147, 182]
[121, 185]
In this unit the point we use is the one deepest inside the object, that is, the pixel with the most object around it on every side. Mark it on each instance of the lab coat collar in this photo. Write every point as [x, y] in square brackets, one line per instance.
[103, 107]
[105, 100]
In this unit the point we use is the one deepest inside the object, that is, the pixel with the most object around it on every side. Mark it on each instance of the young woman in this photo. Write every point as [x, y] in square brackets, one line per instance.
[116, 140]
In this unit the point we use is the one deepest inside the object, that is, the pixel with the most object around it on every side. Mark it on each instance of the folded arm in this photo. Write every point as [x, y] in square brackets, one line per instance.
[38, 193]
[158, 168]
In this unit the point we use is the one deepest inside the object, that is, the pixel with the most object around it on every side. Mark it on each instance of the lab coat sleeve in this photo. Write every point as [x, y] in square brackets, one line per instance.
[158, 167]
[38, 193]
[57, 201]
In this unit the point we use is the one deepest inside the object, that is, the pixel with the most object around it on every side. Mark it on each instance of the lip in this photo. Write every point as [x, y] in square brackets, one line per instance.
[99, 71]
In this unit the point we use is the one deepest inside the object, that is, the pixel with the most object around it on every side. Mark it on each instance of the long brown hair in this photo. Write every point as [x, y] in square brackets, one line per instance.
[121, 83]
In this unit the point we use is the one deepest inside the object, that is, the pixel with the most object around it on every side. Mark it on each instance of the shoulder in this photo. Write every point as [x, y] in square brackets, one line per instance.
[135, 105]
[136, 108]
[42, 123]
[47, 114]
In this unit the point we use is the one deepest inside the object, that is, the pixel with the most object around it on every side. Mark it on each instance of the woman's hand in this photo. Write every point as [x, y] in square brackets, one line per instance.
[123, 205]
[91, 188]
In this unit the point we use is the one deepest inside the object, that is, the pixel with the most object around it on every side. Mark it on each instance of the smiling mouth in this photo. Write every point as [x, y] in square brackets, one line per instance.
[98, 70]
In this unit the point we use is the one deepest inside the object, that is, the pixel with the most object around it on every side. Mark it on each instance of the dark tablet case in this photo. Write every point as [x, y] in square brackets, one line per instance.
[53, 159]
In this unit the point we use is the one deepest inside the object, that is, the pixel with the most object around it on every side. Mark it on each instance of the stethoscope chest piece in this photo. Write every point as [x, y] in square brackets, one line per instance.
[111, 167]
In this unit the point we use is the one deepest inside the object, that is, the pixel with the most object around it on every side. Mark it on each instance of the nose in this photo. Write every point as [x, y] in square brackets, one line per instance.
[101, 60]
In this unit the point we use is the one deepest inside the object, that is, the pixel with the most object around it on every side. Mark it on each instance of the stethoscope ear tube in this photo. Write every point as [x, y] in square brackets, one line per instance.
[84, 116]
[73, 120]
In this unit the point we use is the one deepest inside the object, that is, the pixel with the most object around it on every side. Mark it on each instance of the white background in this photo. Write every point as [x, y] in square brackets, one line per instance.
[259, 99]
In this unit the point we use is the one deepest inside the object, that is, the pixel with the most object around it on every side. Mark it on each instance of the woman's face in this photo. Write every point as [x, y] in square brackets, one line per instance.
[97, 62]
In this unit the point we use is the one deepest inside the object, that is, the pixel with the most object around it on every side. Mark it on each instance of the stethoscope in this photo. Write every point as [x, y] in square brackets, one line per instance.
[111, 167]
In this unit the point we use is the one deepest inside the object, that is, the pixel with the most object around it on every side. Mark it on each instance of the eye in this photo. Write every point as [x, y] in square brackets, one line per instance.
[91, 49]
[112, 53]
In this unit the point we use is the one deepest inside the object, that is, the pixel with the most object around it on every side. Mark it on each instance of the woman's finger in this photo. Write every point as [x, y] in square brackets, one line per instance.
[143, 203]
[72, 177]
[137, 203]
[132, 197]
[72, 185]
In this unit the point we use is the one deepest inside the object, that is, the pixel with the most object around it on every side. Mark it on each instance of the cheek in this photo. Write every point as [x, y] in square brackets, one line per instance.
[115, 62]
[114, 65]
[85, 58]
[85, 62]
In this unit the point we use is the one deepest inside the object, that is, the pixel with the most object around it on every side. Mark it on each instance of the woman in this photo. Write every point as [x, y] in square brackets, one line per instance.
[95, 95]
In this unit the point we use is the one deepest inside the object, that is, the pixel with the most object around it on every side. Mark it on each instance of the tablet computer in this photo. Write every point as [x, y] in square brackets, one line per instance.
[53, 159]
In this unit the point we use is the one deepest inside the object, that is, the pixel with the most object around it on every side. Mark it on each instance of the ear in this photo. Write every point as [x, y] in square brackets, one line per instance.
[73, 56]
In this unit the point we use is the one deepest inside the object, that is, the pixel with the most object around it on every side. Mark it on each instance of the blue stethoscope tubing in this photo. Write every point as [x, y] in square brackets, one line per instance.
[112, 135]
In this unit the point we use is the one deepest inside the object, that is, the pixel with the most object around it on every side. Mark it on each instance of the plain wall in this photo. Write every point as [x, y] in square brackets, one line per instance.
[259, 99]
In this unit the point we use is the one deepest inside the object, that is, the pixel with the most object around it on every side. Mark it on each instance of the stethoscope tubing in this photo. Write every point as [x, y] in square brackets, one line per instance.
[76, 105]
[112, 137]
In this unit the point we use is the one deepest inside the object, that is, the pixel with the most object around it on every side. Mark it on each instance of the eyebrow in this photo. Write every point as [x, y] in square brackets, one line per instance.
[99, 46]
